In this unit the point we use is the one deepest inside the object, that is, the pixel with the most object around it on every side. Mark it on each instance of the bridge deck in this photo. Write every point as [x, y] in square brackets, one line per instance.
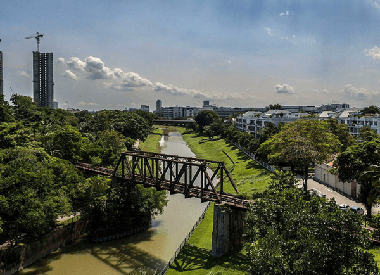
[192, 191]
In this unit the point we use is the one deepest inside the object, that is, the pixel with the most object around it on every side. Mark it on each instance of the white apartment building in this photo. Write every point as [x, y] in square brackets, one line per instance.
[354, 120]
[253, 122]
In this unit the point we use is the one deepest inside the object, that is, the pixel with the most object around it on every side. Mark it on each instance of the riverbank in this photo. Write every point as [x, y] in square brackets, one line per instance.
[195, 257]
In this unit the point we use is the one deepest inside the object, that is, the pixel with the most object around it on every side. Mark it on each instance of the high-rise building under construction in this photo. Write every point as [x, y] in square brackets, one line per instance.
[43, 84]
[1, 73]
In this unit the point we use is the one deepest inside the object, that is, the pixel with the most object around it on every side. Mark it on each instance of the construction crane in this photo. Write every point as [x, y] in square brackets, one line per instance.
[37, 37]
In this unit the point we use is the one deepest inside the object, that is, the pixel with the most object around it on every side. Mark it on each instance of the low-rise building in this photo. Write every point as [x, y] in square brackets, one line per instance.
[323, 174]
[253, 122]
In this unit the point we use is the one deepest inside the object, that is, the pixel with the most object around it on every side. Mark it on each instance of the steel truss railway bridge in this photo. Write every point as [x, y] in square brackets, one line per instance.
[188, 176]
[175, 174]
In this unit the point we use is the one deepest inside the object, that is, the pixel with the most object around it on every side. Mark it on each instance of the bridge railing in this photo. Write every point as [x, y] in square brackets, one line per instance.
[172, 169]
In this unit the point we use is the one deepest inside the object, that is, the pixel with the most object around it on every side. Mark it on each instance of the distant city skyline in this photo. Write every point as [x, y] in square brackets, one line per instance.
[124, 54]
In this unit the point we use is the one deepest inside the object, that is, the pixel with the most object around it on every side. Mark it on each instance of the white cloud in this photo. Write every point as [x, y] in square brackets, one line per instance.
[269, 31]
[82, 103]
[23, 73]
[75, 63]
[132, 80]
[284, 89]
[61, 60]
[375, 3]
[284, 14]
[374, 52]
[93, 68]
[351, 92]
[173, 90]
[71, 75]
[321, 92]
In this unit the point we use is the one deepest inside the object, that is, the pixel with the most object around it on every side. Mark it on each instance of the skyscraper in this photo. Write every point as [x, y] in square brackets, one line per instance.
[43, 85]
[1, 73]
[158, 107]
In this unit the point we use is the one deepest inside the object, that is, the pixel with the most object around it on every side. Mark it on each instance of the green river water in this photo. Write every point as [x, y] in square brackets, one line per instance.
[149, 250]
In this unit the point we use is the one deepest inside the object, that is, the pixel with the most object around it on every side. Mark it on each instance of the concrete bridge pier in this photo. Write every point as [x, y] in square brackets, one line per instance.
[228, 227]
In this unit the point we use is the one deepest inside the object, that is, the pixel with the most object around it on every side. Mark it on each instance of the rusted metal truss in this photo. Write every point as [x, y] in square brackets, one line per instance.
[188, 176]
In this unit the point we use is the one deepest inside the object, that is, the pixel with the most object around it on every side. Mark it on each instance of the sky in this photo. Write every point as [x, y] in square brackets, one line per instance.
[119, 54]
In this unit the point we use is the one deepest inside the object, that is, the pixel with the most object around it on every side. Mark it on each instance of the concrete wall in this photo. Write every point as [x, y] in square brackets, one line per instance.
[13, 260]
[322, 174]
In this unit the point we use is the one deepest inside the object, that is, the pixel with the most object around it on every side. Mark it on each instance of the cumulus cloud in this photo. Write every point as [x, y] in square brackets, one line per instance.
[75, 63]
[131, 80]
[284, 14]
[93, 68]
[23, 73]
[82, 103]
[61, 60]
[350, 91]
[70, 74]
[269, 31]
[173, 90]
[284, 89]
[374, 52]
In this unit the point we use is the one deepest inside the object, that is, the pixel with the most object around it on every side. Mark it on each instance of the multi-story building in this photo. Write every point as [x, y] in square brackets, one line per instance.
[43, 84]
[158, 107]
[1, 73]
[145, 108]
[355, 120]
[253, 122]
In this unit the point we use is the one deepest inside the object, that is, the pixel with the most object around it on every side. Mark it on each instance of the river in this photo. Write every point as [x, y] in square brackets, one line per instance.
[151, 249]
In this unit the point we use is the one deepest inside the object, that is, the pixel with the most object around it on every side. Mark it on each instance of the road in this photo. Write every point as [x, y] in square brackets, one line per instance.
[340, 199]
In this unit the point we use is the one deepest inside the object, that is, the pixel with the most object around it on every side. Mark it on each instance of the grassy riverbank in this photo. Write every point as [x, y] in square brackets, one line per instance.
[151, 144]
[195, 257]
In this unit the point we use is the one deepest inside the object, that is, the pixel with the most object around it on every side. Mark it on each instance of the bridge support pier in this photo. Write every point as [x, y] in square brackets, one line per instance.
[228, 226]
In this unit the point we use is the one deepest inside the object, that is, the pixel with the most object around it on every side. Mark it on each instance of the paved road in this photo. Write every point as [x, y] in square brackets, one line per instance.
[340, 199]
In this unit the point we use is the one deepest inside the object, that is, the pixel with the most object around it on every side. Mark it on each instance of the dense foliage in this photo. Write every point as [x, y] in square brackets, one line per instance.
[300, 144]
[38, 181]
[291, 232]
[35, 189]
[359, 162]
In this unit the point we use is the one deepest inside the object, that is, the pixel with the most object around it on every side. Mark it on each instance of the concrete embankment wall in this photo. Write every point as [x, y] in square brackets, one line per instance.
[13, 260]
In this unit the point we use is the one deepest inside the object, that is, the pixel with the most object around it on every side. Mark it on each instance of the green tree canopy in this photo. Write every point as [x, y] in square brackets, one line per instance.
[355, 162]
[301, 144]
[34, 189]
[206, 117]
[290, 232]
[371, 110]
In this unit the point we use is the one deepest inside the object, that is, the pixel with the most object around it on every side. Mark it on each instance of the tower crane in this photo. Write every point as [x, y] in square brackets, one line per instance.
[37, 36]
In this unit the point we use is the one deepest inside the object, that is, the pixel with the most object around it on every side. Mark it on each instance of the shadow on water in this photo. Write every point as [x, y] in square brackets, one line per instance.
[121, 255]
[192, 258]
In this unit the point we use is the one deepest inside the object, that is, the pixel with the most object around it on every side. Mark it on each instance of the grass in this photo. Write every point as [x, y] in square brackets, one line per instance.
[249, 176]
[151, 144]
[195, 257]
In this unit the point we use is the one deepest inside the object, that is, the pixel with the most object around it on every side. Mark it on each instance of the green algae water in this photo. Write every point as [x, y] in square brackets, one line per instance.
[149, 250]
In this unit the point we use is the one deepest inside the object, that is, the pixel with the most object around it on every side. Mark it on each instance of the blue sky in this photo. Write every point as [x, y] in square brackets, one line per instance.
[118, 54]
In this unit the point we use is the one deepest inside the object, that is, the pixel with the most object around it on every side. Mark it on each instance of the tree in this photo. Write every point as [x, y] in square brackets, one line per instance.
[35, 189]
[25, 108]
[65, 142]
[301, 144]
[275, 107]
[206, 117]
[371, 110]
[5, 110]
[354, 163]
[120, 206]
[291, 232]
